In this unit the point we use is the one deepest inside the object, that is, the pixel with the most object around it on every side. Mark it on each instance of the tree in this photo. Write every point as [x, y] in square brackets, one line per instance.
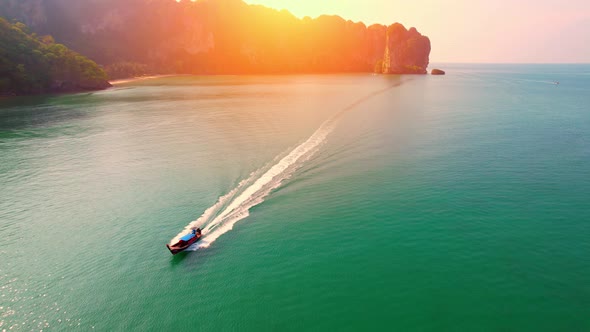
[32, 64]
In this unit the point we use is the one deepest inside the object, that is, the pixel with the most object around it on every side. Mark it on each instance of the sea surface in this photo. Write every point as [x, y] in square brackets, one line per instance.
[328, 203]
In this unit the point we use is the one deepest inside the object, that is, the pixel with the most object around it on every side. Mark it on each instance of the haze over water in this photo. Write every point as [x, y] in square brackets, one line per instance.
[348, 202]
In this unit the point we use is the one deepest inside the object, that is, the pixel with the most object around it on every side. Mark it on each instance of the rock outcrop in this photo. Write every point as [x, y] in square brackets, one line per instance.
[437, 72]
[406, 51]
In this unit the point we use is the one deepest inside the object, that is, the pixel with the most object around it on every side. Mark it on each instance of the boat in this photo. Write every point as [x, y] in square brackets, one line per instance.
[185, 241]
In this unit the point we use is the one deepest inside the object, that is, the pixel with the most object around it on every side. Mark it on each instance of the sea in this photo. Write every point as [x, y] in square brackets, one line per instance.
[327, 202]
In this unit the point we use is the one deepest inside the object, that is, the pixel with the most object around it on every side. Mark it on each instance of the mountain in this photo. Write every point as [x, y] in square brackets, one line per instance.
[219, 37]
[29, 64]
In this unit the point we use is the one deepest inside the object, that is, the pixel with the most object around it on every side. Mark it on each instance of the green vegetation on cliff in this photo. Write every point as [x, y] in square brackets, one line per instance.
[125, 69]
[31, 64]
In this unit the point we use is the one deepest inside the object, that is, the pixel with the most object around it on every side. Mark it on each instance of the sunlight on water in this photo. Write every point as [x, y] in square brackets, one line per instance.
[372, 203]
[239, 201]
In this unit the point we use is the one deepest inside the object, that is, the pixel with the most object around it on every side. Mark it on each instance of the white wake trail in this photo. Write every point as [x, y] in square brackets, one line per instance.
[211, 210]
[257, 192]
[253, 190]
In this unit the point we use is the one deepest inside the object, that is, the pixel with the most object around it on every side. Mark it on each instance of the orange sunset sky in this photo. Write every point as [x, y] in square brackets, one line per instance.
[543, 31]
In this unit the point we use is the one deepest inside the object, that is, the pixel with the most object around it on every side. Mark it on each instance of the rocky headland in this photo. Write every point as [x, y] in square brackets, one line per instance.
[138, 37]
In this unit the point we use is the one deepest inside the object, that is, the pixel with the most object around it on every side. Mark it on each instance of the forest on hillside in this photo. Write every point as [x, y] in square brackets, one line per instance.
[32, 64]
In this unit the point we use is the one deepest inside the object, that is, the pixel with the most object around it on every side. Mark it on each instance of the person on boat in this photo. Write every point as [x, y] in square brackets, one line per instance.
[197, 231]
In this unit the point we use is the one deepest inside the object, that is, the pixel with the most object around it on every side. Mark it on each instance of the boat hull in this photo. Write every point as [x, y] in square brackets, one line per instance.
[180, 247]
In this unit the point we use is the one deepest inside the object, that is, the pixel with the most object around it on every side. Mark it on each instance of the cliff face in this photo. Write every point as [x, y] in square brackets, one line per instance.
[220, 36]
[29, 12]
[406, 51]
[376, 49]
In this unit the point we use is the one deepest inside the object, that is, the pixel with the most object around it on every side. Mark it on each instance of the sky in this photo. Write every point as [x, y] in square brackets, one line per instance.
[501, 31]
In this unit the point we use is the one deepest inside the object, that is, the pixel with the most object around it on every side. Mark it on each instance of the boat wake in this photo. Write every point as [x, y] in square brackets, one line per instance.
[236, 204]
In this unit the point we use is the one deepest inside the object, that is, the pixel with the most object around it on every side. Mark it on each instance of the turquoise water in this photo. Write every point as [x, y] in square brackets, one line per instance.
[331, 202]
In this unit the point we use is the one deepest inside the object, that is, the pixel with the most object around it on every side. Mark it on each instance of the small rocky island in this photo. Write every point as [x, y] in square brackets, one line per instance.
[437, 72]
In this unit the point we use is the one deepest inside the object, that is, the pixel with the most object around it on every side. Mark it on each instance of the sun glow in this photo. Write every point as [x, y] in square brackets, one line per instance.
[467, 30]
[471, 31]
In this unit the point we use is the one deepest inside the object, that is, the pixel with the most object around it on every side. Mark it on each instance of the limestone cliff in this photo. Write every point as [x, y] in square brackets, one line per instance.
[406, 51]
[220, 36]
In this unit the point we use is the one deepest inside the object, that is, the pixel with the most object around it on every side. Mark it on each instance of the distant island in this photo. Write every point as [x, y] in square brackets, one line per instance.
[144, 37]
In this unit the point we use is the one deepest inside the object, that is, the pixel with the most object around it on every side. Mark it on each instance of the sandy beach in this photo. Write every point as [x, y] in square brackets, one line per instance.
[142, 78]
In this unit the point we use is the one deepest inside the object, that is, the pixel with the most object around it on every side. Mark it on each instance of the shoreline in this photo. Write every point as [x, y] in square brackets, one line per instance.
[140, 78]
